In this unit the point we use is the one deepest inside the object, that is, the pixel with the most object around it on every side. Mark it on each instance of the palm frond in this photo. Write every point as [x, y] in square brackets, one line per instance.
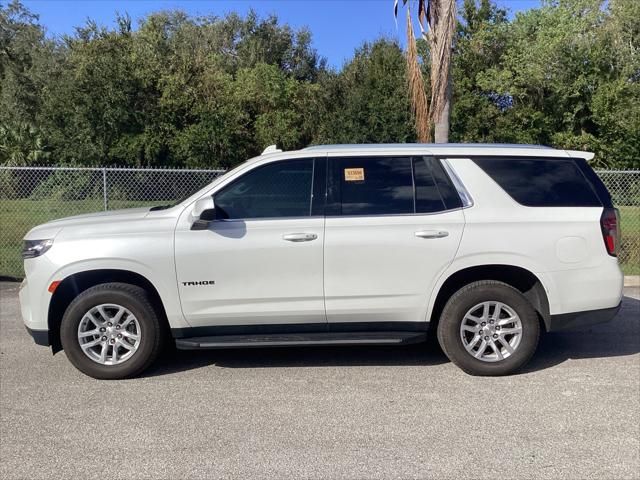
[417, 95]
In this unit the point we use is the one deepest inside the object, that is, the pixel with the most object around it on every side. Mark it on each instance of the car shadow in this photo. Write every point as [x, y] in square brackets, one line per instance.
[298, 357]
[620, 337]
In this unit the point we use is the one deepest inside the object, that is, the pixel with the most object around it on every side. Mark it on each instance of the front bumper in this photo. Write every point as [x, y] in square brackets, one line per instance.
[41, 337]
[34, 327]
[587, 318]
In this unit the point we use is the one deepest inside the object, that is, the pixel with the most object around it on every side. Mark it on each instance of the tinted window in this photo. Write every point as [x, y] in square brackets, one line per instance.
[596, 183]
[281, 189]
[428, 198]
[374, 186]
[447, 191]
[541, 182]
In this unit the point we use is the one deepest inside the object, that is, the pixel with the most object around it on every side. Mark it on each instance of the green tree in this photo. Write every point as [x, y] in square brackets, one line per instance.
[22, 145]
[566, 78]
[24, 61]
[177, 90]
[478, 114]
[367, 100]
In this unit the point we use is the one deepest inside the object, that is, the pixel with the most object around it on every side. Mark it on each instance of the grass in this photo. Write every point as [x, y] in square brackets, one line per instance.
[17, 217]
[630, 220]
[630, 254]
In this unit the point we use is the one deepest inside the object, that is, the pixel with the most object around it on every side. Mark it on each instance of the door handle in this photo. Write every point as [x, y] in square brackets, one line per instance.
[432, 234]
[299, 237]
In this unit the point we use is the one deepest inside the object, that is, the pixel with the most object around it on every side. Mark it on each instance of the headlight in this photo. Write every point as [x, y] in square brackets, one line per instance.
[35, 248]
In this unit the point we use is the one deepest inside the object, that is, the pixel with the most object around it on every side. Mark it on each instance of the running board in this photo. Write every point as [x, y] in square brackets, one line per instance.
[300, 339]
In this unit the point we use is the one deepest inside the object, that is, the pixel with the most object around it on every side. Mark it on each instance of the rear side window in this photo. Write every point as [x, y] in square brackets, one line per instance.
[375, 186]
[440, 186]
[596, 183]
[389, 186]
[428, 197]
[540, 182]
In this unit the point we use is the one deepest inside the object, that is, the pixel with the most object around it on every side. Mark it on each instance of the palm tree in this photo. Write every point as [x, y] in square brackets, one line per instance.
[22, 145]
[437, 19]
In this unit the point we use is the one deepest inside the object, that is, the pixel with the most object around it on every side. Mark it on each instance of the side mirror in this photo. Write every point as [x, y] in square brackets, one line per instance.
[203, 212]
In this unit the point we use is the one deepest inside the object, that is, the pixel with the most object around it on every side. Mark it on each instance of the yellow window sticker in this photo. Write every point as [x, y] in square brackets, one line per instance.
[354, 174]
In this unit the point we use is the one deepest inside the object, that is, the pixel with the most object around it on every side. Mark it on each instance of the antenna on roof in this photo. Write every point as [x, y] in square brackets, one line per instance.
[271, 149]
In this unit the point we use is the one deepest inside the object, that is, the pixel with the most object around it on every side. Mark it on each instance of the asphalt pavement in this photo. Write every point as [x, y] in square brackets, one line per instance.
[366, 412]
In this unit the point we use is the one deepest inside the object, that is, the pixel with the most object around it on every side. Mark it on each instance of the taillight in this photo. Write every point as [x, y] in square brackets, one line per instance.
[610, 224]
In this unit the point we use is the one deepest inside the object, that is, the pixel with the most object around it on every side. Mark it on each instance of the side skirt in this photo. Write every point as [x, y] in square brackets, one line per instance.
[301, 334]
[300, 339]
[286, 328]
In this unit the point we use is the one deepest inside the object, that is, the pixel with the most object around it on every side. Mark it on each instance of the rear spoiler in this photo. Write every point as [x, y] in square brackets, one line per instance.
[588, 156]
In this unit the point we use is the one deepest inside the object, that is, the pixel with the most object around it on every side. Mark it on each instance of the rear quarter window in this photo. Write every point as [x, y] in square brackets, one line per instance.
[539, 182]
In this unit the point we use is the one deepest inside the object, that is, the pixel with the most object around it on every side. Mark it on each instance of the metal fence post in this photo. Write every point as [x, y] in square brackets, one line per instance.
[104, 189]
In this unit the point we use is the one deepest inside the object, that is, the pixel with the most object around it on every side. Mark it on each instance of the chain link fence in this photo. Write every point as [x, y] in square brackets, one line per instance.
[624, 186]
[30, 196]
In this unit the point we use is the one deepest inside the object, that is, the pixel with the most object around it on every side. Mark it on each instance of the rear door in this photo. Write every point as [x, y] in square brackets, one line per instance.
[393, 225]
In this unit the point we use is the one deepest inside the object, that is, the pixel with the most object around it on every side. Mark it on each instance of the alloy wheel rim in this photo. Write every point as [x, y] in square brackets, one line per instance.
[491, 331]
[109, 334]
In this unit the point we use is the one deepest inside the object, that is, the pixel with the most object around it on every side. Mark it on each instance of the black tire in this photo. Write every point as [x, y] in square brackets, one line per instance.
[461, 302]
[131, 297]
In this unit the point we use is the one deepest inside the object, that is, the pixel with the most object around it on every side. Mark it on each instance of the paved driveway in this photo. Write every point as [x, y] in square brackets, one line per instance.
[402, 412]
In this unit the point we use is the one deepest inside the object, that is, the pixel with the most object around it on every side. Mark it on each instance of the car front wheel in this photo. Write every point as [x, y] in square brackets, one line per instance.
[111, 331]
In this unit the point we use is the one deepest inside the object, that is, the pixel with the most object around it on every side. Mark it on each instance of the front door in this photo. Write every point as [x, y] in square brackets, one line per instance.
[261, 261]
[393, 226]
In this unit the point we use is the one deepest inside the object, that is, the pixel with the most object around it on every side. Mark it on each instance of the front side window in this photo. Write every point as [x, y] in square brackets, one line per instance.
[280, 189]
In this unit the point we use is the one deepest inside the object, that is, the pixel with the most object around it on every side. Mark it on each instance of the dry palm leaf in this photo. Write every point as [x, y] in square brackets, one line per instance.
[419, 103]
[440, 18]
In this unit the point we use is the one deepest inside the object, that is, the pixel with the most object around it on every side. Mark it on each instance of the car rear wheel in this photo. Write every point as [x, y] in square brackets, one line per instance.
[111, 331]
[489, 328]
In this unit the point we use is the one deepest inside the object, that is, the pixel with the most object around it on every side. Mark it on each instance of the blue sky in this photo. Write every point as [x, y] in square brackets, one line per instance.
[338, 26]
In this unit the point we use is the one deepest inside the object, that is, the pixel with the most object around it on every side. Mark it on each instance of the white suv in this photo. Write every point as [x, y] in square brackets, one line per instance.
[486, 245]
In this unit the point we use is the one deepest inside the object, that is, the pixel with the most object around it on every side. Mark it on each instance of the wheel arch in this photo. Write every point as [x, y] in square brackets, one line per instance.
[73, 285]
[518, 277]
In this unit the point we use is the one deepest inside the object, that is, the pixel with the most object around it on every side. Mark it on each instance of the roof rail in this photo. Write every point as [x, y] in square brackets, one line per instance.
[271, 149]
[374, 146]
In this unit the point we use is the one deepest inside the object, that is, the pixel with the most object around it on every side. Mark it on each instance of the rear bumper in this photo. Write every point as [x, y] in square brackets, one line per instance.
[41, 337]
[587, 318]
